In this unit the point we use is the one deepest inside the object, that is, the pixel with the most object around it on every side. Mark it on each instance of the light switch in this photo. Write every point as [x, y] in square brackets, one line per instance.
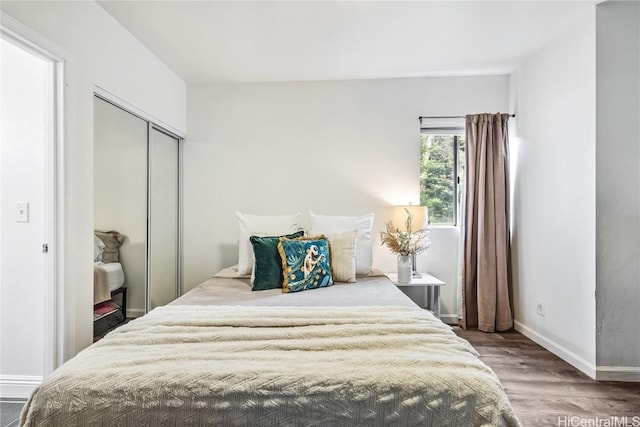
[22, 212]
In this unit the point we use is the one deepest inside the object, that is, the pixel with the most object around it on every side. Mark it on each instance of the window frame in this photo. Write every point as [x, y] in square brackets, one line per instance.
[457, 132]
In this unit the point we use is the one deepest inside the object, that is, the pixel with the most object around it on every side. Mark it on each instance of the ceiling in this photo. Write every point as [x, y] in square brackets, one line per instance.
[223, 41]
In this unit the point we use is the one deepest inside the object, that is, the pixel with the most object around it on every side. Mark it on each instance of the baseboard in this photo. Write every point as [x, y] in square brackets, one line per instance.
[449, 319]
[618, 373]
[18, 386]
[567, 355]
[135, 312]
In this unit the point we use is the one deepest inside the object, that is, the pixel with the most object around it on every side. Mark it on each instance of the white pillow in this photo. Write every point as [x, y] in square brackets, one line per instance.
[98, 249]
[260, 225]
[342, 247]
[333, 224]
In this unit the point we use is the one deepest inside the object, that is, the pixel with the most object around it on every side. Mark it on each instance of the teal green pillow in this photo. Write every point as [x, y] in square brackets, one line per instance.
[268, 266]
[305, 263]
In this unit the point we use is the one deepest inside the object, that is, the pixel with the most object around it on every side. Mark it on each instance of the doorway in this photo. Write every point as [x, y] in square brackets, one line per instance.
[28, 142]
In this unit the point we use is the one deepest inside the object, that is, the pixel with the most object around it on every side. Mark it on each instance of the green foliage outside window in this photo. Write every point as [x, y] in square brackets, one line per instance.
[438, 189]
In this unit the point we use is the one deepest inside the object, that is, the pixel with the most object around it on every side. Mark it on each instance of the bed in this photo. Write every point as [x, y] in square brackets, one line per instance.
[109, 290]
[106, 279]
[350, 354]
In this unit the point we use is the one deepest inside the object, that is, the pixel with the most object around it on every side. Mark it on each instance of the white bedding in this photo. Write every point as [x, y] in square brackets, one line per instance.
[374, 289]
[186, 365]
[355, 354]
[106, 278]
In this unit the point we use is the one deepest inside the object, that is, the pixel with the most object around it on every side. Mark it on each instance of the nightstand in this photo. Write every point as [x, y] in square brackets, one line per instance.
[432, 285]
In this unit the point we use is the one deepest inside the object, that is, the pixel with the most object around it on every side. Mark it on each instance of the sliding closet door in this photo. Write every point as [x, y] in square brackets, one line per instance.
[163, 218]
[120, 191]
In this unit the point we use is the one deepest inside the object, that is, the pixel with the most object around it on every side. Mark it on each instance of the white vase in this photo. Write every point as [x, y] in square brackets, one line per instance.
[404, 269]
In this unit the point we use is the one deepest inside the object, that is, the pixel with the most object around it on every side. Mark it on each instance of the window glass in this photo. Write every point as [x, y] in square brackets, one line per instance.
[441, 168]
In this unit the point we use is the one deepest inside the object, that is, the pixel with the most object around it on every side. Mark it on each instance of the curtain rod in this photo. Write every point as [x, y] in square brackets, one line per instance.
[450, 117]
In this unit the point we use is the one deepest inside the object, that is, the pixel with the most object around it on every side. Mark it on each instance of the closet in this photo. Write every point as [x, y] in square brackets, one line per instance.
[136, 195]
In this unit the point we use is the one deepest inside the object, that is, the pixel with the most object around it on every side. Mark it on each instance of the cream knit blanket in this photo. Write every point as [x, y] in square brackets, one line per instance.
[302, 366]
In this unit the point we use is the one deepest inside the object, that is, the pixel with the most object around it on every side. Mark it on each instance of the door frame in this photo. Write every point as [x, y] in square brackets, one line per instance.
[57, 320]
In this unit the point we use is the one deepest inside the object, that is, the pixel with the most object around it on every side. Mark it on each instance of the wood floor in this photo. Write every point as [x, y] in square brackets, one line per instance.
[545, 390]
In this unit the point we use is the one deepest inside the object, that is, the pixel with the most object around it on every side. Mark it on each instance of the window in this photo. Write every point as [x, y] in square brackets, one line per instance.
[441, 174]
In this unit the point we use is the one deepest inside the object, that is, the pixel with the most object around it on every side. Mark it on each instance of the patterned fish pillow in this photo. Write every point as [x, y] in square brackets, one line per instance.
[305, 263]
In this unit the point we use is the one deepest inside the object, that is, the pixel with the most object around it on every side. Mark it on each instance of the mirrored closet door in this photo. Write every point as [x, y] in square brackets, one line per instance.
[136, 197]
[163, 270]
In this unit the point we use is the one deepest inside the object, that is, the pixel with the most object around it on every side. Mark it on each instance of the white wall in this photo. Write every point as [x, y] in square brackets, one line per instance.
[554, 142]
[108, 56]
[100, 52]
[24, 93]
[257, 148]
[618, 189]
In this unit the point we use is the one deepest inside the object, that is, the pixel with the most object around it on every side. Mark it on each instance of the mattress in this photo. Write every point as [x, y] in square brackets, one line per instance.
[350, 354]
[373, 290]
[106, 278]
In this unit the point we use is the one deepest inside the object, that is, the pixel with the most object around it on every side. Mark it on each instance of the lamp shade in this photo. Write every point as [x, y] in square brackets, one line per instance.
[399, 217]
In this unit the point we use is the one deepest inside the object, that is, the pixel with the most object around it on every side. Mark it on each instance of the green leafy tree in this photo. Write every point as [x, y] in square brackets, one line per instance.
[437, 176]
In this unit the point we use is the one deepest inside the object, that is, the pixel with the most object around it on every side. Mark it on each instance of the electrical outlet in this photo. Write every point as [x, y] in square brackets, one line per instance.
[540, 308]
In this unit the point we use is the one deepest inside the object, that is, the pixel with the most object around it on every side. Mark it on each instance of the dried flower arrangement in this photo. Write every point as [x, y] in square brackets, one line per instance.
[407, 242]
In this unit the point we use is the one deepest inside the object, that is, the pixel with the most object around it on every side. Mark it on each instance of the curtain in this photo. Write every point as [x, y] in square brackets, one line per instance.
[486, 272]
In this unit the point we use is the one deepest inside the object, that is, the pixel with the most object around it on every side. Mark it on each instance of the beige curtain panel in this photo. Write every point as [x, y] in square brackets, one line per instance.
[486, 271]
